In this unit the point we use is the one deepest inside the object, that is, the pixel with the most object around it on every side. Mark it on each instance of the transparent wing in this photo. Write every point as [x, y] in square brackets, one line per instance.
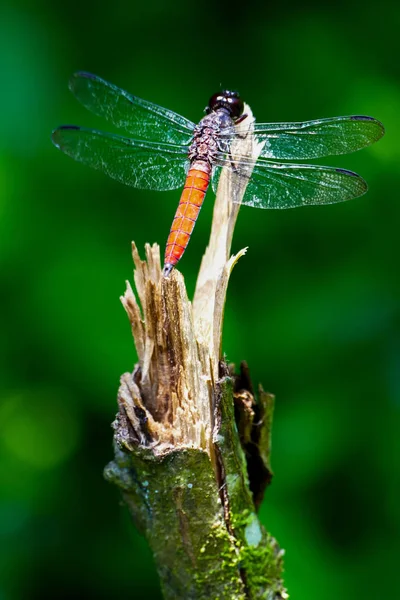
[138, 117]
[314, 139]
[274, 185]
[140, 164]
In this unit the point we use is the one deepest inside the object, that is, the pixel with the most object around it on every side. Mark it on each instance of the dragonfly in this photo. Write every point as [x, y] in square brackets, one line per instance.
[167, 151]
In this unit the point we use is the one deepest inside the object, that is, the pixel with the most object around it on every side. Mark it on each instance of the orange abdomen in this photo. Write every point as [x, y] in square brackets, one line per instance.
[192, 197]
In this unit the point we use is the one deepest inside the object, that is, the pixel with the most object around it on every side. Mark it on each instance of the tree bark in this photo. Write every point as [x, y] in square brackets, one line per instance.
[192, 443]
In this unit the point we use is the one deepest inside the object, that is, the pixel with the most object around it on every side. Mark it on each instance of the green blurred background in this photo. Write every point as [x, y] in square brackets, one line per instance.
[312, 307]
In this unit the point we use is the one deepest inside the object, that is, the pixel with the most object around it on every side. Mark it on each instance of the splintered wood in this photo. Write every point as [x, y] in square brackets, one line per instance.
[170, 383]
[168, 401]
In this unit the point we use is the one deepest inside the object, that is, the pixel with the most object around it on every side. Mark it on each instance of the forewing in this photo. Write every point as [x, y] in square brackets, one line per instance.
[314, 139]
[137, 163]
[138, 117]
[274, 185]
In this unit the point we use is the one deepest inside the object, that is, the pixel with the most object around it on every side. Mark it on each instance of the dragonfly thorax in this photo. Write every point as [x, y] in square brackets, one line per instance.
[206, 142]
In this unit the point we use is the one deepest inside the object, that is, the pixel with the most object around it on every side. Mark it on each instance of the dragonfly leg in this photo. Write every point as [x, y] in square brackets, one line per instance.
[236, 169]
[240, 119]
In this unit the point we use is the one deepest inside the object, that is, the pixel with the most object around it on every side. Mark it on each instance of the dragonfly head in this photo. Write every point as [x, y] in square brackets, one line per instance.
[228, 101]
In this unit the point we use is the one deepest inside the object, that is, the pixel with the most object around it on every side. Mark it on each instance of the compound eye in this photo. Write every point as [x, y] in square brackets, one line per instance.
[236, 106]
[216, 101]
[230, 101]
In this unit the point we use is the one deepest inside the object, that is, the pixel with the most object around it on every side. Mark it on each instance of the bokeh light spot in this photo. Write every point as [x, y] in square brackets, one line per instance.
[40, 427]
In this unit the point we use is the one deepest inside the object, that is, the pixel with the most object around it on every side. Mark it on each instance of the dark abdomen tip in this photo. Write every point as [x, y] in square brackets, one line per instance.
[167, 269]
